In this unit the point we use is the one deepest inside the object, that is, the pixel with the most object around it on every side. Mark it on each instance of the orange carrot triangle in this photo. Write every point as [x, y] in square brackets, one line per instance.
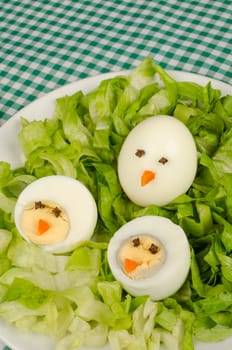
[130, 265]
[147, 176]
[43, 226]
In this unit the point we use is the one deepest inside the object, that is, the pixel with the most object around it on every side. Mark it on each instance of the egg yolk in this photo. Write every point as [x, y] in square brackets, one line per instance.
[141, 256]
[45, 222]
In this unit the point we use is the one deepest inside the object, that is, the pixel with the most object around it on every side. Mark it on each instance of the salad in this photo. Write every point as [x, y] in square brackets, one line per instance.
[73, 297]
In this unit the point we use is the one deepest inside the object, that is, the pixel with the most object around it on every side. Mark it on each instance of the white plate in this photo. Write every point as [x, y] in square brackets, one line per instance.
[10, 151]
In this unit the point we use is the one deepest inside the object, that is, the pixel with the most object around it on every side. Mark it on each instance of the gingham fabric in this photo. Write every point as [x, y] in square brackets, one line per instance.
[46, 44]
[3, 347]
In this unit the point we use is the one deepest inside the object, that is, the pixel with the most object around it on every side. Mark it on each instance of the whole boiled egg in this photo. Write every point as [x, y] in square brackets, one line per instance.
[157, 161]
[56, 212]
[150, 255]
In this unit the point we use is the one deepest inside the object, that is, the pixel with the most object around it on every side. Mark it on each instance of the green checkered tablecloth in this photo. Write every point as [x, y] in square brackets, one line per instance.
[46, 44]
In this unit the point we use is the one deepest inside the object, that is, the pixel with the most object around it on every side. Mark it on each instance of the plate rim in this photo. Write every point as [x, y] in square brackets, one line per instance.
[100, 77]
[58, 92]
[67, 89]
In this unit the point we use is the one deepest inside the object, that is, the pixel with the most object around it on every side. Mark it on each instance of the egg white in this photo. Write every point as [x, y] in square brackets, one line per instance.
[174, 269]
[159, 136]
[73, 197]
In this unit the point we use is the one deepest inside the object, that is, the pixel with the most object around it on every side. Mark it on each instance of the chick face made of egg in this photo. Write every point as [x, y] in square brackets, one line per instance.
[56, 212]
[140, 256]
[150, 255]
[45, 222]
[157, 161]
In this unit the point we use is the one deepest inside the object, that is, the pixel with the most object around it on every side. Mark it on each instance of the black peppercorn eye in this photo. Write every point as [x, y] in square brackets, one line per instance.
[57, 212]
[163, 160]
[140, 153]
[154, 248]
[39, 205]
[136, 242]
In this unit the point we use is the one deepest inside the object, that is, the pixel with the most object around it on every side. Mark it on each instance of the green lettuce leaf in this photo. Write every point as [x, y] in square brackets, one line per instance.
[26, 293]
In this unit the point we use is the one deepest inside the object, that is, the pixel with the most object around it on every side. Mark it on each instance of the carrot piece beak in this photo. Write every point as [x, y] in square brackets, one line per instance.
[130, 265]
[147, 177]
[43, 226]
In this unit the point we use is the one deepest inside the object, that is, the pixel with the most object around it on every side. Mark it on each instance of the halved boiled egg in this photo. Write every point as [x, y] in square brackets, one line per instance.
[157, 161]
[150, 255]
[56, 212]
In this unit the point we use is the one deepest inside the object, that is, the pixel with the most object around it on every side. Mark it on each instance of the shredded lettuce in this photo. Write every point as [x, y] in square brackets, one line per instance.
[74, 297]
